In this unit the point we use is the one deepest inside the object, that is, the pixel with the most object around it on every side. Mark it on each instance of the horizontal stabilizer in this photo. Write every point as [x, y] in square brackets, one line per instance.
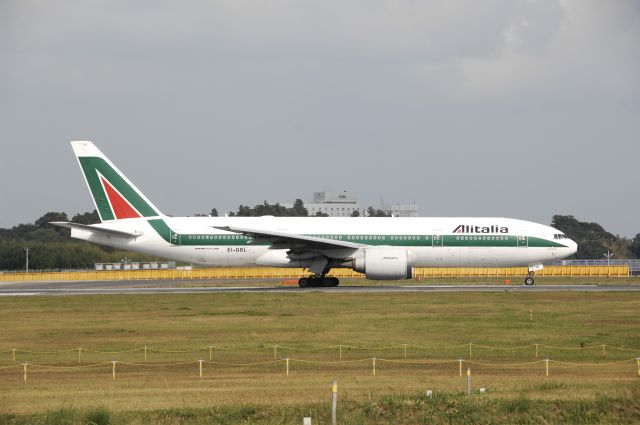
[96, 229]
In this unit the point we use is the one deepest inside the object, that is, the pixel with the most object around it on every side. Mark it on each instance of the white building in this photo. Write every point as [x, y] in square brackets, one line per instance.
[334, 204]
[399, 210]
[343, 204]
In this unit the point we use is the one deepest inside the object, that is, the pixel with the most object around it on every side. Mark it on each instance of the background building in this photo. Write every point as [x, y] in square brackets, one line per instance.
[343, 204]
[399, 210]
[334, 204]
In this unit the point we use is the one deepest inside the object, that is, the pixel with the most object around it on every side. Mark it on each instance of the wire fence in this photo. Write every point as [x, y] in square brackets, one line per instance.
[275, 358]
[371, 366]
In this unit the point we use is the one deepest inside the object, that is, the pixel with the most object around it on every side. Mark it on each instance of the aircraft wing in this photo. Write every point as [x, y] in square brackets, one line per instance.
[96, 229]
[281, 240]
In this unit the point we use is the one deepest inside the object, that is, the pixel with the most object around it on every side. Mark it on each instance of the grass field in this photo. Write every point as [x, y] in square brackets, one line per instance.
[593, 391]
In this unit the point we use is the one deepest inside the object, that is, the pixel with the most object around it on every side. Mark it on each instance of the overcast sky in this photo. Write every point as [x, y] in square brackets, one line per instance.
[521, 109]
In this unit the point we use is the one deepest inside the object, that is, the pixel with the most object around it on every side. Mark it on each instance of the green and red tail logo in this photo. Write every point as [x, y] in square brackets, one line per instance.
[114, 195]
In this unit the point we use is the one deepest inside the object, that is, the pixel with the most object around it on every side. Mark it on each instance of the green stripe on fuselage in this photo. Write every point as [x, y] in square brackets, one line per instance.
[488, 241]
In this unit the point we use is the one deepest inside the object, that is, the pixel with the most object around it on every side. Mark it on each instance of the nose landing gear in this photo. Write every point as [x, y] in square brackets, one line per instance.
[529, 279]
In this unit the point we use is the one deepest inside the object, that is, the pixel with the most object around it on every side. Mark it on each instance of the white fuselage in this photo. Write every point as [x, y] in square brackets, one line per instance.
[430, 242]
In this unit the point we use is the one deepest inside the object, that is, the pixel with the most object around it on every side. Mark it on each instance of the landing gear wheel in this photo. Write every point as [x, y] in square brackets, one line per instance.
[303, 282]
[529, 281]
[334, 281]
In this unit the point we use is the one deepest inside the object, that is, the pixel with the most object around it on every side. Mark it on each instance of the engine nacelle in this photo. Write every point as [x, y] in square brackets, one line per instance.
[384, 263]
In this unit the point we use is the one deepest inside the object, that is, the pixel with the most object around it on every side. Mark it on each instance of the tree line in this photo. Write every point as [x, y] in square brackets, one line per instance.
[297, 210]
[52, 247]
[594, 241]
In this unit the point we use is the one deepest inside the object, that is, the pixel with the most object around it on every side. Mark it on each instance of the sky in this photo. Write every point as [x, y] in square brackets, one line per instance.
[506, 108]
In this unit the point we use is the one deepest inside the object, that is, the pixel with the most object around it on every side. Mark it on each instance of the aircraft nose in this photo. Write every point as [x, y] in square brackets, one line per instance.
[573, 247]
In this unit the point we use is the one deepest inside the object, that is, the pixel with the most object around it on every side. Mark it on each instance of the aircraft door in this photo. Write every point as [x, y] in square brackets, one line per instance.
[523, 241]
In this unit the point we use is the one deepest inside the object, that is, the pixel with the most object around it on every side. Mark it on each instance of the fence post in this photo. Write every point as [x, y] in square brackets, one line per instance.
[546, 365]
[200, 368]
[537, 350]
[287, 361]
[79, 354]
[468, 382]
[275, 352]
[145, 353]
[405, 351]
[13, 354]
[24, 367]
[113, 369]
[334, 401]
[373, 365]
[210, 352]
[460, 366]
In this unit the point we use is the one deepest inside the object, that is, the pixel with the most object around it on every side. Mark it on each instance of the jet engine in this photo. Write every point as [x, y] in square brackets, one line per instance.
[384, 263]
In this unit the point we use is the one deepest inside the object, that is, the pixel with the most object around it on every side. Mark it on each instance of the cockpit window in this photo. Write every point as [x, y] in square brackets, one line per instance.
[560, 236]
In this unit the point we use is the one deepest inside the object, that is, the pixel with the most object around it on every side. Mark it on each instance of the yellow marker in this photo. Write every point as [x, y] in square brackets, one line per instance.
[79, 354]
[469, 350]
[638, 362]
[210, 353]
[24, 366]
[340, 347]
[460, 366]
[334, 387]
[13, 354]
[468, 371]
[145, 353]
[287, 359]
[200, 367]
[113, 369]
[537, 350]
[374, 365]
[546, 362]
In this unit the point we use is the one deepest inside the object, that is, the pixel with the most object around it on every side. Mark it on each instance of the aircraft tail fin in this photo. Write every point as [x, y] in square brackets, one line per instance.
[114, 196]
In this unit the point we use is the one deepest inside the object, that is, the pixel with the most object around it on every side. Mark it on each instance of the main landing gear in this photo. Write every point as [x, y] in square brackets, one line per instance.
[529, 279]
[315, 281]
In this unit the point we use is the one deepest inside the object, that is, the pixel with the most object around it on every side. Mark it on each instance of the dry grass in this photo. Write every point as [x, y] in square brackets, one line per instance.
[305, 320]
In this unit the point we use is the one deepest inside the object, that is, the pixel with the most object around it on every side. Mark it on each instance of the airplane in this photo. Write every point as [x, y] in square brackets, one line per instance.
[382, 248]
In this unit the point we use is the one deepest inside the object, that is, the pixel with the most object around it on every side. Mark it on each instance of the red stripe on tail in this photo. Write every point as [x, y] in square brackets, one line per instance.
[121, 208]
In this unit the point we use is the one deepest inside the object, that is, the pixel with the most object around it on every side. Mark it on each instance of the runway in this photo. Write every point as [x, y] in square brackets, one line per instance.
[207, 287]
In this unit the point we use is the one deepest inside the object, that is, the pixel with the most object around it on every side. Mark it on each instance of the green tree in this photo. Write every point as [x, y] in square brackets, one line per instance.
[214, 212]
[44, 221]
[592, 239]
[635, 245]
[86, 218]
[277, 210]
[298, 209]
[373, 212]
[355, 213]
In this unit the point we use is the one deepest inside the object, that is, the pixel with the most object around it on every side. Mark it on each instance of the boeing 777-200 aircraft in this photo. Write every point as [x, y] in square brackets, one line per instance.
[381, 248]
